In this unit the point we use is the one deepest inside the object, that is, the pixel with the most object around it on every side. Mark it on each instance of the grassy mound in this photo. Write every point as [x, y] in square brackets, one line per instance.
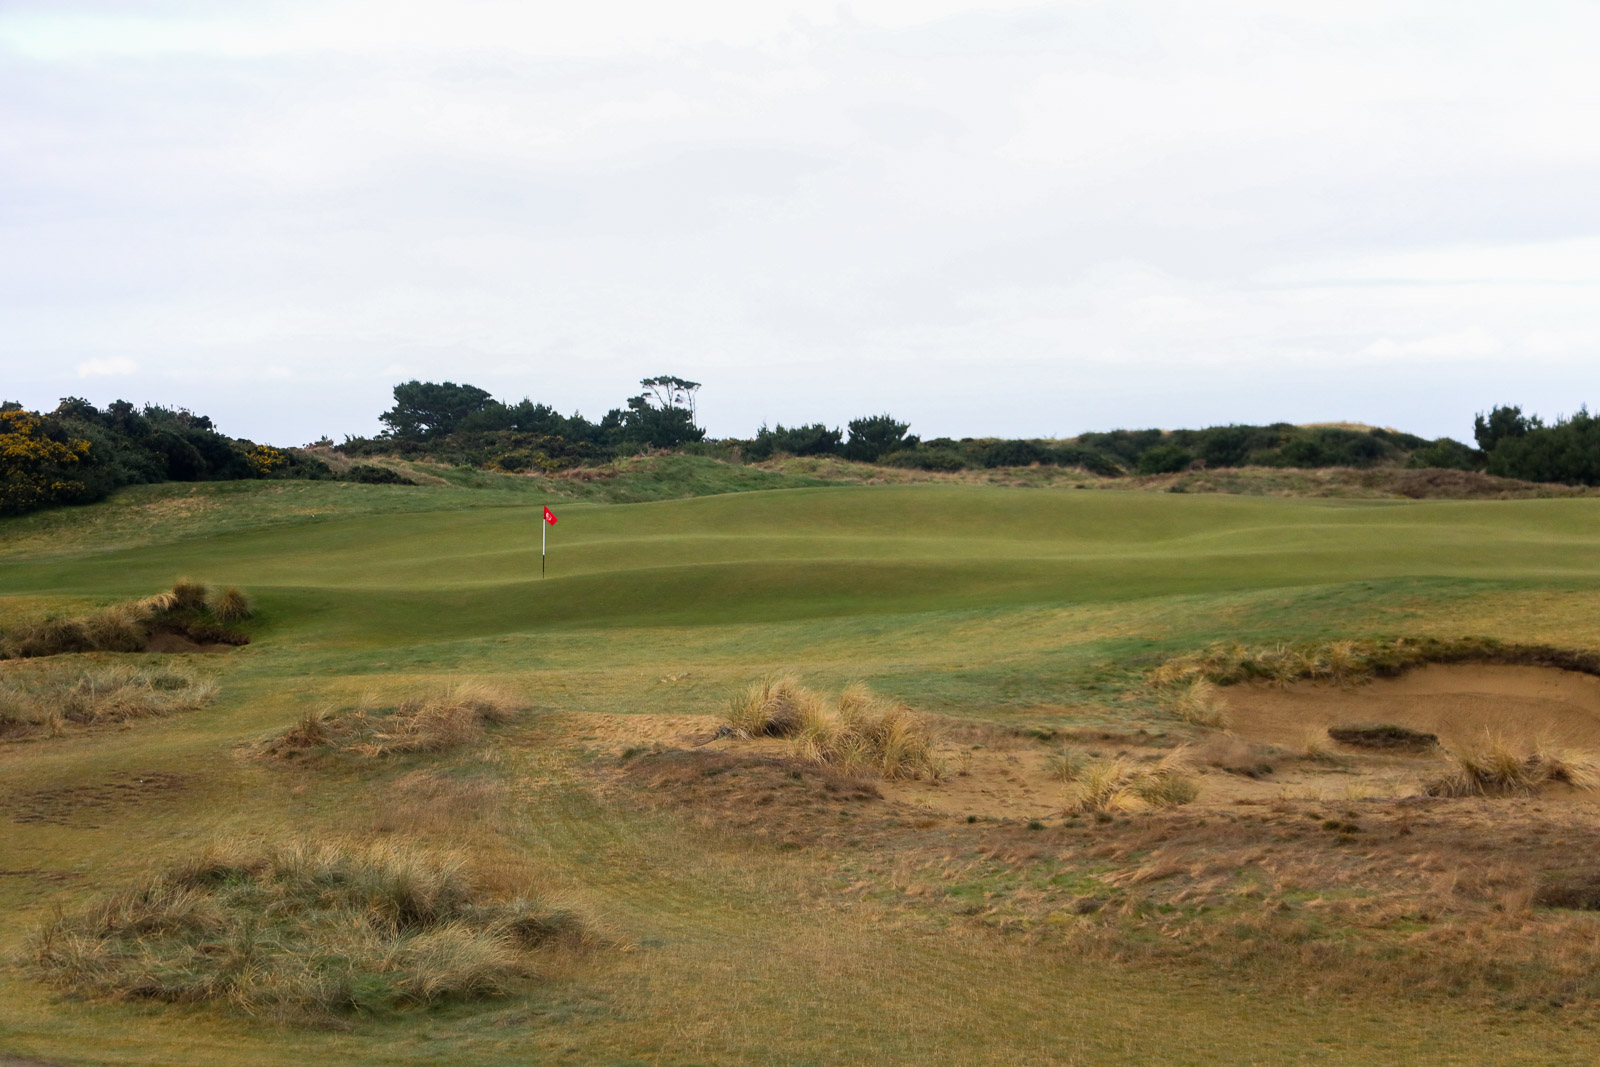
[1351, 662]
[860, 733]
[188, 609]
[433, 722]
[302, 933]
[50, 700]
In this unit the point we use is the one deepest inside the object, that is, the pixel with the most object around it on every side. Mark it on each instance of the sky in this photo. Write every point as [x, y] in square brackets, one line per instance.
[986, 218]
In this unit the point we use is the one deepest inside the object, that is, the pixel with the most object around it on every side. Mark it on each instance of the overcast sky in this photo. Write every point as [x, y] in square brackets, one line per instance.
[985, 218]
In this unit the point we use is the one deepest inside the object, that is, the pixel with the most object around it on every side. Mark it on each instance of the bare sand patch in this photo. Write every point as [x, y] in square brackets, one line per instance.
[1460, 703]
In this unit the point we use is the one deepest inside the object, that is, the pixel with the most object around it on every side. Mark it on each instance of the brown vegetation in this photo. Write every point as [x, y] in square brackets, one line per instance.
[860, 732]
[434, 722]
[302, 932]
[51, 699]
[130, 627]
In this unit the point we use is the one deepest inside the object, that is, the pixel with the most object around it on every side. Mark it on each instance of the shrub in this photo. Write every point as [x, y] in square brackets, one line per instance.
[301, 932]
[1165, 459]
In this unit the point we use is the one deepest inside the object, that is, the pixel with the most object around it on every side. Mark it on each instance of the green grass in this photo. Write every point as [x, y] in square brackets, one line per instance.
[1012, 605]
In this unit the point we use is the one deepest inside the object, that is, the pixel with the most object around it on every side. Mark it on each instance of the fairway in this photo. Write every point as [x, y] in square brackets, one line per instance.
[1012, 608]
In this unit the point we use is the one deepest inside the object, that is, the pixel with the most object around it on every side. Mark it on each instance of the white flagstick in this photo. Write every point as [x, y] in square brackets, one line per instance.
[544, 530]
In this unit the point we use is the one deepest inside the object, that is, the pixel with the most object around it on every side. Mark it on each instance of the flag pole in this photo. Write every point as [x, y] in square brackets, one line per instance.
[544, 530]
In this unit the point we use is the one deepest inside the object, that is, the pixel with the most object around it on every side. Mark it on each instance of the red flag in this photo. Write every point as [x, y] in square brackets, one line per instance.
[549, 516]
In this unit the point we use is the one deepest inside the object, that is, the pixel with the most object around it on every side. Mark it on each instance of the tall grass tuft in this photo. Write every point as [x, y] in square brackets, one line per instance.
[431, 722]
[1120, 783]
[1200, 704]
[188, 595]
[302, 932]
[49, 699]
[232, 605]
[1494, 767]
[861, 733]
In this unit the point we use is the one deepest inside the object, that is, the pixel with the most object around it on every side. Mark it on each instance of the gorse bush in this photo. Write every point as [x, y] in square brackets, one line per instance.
[859, 733]
[51, 699]
[303, 932]
[433, 722]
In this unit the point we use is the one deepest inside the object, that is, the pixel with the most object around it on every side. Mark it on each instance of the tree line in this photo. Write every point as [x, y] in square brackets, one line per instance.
[78, 453]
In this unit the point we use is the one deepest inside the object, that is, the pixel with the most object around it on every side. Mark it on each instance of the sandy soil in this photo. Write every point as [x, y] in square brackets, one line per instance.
[1459, 703]
[1261, 759]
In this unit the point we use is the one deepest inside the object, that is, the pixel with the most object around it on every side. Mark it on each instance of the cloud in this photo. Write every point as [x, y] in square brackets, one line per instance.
[112, 367]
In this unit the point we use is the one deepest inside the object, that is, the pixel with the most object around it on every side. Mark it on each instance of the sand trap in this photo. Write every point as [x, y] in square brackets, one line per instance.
[1459, 703]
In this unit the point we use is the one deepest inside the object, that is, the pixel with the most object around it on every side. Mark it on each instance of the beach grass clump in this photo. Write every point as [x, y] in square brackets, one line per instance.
[1122, 784]
[1496, 767]
[1199, 703]
[52, 699]
[858, 733]
[430, 722]
[303, 932]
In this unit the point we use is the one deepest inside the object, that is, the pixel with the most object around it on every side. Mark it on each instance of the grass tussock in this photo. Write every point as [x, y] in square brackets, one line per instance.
[1495, 767]
[127, 627]
[1351, 662]
[1198, 703]
[1123, 784]
[432, 722]
[859, 733]
[1065, 765]
[303, 933]
[51, 701]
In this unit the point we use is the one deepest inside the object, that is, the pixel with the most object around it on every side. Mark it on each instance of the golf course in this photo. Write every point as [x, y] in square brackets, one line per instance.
[744, 904]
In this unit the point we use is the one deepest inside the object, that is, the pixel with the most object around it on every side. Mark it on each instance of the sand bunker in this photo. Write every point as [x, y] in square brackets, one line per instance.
[1524, 705]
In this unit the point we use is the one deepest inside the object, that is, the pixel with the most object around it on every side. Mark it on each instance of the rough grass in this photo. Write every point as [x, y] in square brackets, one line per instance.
[302, 933]
[431, 722]
[1199, 704]
[1495, 767]
[1383, 736]
[51, 699]
[127, 627]
[1350, 662]
[859, 733]
[1122, 784]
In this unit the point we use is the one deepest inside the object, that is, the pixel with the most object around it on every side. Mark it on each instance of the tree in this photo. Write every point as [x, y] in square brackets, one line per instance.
[873, 436]
[425, 410]
[1503, 423]
[669, 391]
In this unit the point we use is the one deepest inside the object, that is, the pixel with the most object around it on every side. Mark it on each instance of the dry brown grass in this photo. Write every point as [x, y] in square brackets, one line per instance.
[232, 605]
[303, 932]
[1495, 767]
[127, 627]
[1123, 784]
[1200, 704]
[52, 699]
[859, 733]
[432, 722]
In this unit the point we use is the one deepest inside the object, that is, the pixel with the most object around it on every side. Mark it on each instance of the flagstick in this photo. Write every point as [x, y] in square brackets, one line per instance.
[544, 530]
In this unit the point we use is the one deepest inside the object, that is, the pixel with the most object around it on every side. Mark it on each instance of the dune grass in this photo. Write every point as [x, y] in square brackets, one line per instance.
[55, 698]
[301, 932]
[188, 609]
[1495, 767]
[431, 722]
[858, 733]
